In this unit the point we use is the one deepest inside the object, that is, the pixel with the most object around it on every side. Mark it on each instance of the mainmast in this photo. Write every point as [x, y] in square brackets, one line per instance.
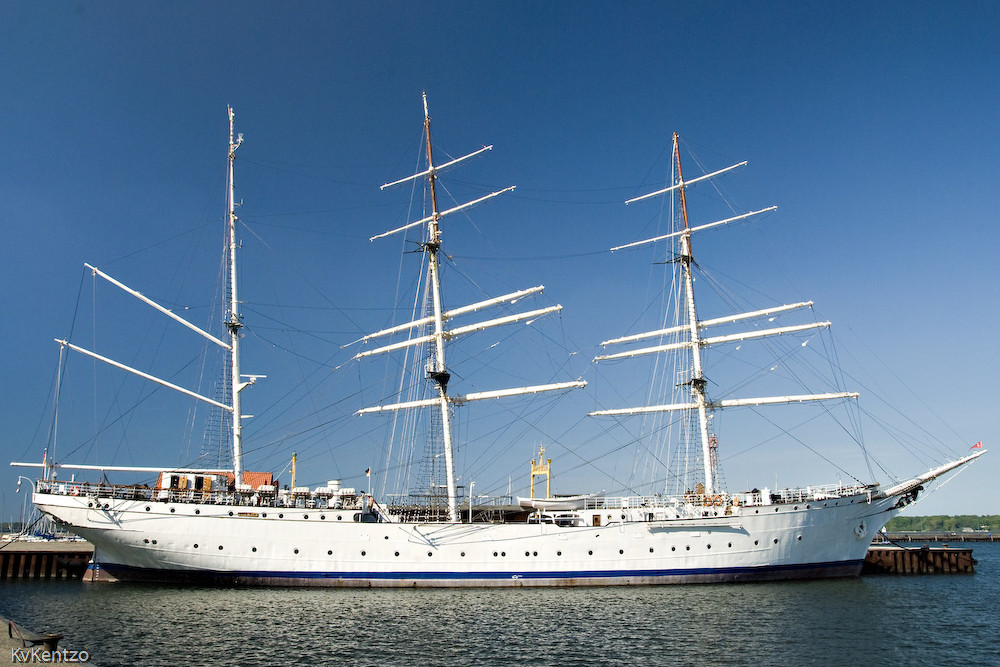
[437, 370]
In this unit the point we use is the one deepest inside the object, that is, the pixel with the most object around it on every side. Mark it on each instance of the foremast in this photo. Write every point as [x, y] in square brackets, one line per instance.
[697, 381]
[437, 369]
[692, 327]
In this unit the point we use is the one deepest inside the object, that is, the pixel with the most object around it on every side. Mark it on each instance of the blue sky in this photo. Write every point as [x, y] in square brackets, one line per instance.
[871, 125]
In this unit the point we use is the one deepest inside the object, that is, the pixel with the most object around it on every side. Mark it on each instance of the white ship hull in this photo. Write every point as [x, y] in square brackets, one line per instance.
[157, 541]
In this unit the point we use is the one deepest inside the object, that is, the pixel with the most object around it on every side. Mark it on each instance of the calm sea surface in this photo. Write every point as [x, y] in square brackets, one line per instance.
[918, 620]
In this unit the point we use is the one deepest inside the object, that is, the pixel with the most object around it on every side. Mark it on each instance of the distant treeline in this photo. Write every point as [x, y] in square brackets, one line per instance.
[952, 524]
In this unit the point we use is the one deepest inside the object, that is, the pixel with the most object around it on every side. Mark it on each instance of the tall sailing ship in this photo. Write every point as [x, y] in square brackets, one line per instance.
[237, 527]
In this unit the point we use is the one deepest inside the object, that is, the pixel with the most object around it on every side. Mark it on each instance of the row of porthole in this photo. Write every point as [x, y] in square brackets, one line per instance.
[503, 554]
[795, 507]
[322, 517]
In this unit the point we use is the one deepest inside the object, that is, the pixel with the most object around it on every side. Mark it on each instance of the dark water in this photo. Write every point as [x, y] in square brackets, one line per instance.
[919, 620]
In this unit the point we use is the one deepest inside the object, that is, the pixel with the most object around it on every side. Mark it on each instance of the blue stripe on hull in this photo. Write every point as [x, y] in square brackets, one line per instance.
[490, 579]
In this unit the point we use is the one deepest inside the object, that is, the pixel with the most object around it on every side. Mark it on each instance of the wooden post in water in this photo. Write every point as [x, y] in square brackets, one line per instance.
[923, 560]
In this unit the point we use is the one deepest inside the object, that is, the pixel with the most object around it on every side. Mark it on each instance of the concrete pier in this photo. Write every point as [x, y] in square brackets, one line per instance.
[44, 560]
[19, 645]
[943, 536]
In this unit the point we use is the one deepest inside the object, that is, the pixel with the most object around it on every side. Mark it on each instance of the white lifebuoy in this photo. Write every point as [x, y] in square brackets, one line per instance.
[74, 490]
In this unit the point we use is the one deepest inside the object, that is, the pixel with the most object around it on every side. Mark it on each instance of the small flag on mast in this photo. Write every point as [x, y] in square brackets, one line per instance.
[368, 472]
[978, 445]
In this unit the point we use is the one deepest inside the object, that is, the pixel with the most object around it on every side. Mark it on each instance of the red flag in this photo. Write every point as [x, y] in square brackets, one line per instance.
[368, 472]
[978, 445]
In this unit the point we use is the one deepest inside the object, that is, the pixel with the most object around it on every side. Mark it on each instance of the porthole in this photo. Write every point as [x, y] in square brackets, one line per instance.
[756, 511]
[621, 551]
[799, 538]
[708, 546]
[106, 506]
[281, 516]
[305, 516]
[264, 514]
[386, 537]
[590, 553]
[494, 554]
[322, 517]
[172, 510]
[430, 553]
[527, 553]
[230, 514]
[92, 504]
[197, 511]
[147, 508]
[296, 551]
[463, 554]
[254, 549]
[397, 554]
[146, 541]
[559, 553]
[776, 540]
[776, 509]
[730, 545]
[220, 547]
[329, 552]
[503, 554]
[756, 542]
[154, 541]
[673, 548]
[339, 517]
[807, 506]
[362, 553]
[534, 553]
[650, 549]
[795, 507]
[196, 546]
[687, 548]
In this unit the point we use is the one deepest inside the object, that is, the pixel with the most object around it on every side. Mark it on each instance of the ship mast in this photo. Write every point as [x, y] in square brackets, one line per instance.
[234, 324]
[697, 381]
[439, 319]
[692, 327]
[439, 371]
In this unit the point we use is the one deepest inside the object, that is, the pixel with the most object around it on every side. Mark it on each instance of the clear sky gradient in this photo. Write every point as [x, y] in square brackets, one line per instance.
[873, 127]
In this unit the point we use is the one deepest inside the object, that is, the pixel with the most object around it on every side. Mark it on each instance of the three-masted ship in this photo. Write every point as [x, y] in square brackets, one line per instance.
[237, 527]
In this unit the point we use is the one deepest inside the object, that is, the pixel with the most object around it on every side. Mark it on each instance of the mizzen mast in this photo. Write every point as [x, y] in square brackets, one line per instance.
[234, 323]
